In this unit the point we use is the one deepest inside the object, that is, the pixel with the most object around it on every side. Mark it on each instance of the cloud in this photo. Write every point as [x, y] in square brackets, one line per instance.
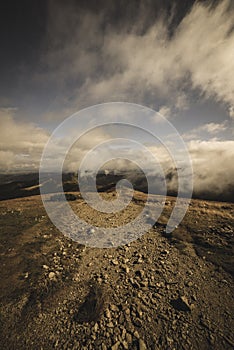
[165, 111]
[21, 143]
[213, 168]
[214, 128]
[97, 62]
[231, 111]
[204, 42]
[209, 129]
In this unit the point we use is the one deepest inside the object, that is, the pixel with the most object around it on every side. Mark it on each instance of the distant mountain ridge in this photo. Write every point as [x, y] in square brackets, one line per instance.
[24, 185]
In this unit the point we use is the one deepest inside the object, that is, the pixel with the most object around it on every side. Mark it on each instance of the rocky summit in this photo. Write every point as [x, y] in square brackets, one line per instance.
[158, 292]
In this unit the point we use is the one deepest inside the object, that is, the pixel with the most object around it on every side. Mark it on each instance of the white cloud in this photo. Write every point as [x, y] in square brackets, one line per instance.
[209, 128]
[214, 128]
[213, 165]
[21, 143]
[165, 111]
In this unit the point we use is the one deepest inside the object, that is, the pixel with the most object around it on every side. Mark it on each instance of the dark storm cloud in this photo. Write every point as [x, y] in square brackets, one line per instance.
[22, 31]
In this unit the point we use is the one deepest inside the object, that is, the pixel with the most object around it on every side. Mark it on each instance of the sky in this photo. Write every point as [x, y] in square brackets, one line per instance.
[176, 57]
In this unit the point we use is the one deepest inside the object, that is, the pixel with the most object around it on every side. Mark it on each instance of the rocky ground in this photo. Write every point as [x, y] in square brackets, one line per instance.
[158, 292]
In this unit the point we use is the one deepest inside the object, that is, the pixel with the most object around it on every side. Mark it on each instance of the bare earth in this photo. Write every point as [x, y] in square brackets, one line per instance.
[159, 292]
